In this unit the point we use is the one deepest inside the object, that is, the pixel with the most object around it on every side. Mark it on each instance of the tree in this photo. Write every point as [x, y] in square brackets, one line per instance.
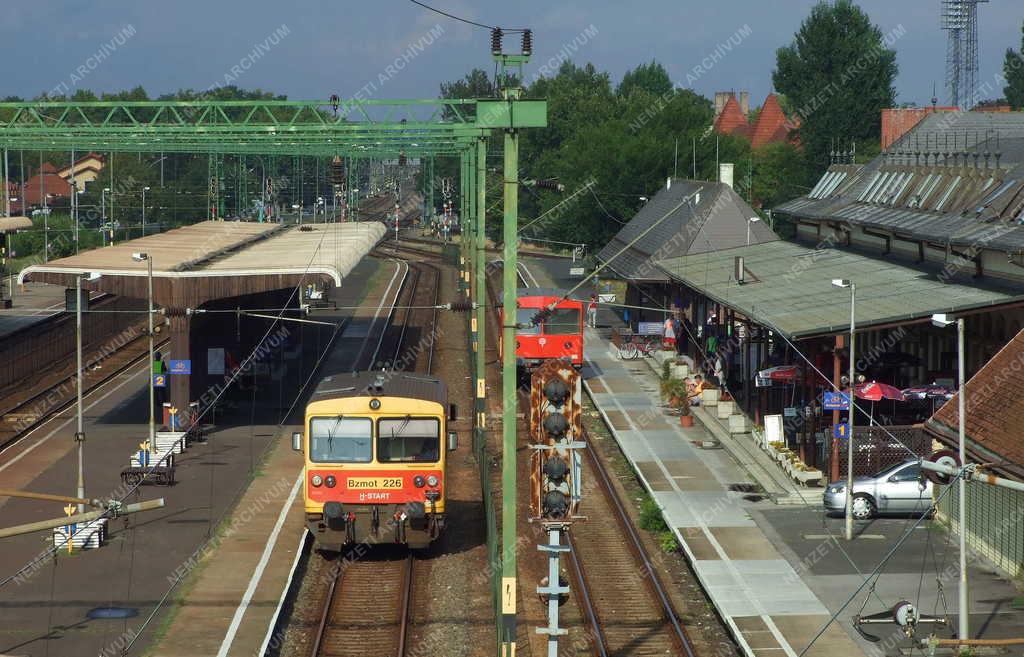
[838, 74]
[652, 78]
[780, 173]
[1013, 71]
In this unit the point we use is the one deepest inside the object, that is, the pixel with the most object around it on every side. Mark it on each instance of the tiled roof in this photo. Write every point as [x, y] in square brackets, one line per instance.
[994, 411]
[731, 119]
[771, 126]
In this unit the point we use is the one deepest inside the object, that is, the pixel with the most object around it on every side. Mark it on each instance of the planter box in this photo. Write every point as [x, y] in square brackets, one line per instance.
[807, 476]
[725, 409]
[738, 424]
[709, 397]
[680, 371]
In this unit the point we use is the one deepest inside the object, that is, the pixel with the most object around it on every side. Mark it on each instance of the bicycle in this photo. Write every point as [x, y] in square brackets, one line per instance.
[639, 345]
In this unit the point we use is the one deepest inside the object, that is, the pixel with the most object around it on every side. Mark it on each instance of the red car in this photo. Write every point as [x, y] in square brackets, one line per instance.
[559, 335]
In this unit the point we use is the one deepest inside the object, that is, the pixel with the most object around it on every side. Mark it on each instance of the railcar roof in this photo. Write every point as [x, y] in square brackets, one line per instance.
[381, 384]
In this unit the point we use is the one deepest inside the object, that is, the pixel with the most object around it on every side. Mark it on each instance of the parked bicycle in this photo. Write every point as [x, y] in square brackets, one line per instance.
[639, 346]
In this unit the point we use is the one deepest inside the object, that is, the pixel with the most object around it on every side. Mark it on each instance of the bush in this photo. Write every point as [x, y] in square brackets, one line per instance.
[650, 516]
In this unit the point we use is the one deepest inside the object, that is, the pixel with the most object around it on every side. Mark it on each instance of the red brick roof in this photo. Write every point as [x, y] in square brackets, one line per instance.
[771, 126]
[994, 411]
[731, 120]
[47, 182]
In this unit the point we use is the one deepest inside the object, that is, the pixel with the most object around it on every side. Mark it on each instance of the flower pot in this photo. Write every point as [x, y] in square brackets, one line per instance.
[686, 420]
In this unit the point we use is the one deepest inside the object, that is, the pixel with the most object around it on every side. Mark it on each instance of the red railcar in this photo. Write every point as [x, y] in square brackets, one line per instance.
[559, 335]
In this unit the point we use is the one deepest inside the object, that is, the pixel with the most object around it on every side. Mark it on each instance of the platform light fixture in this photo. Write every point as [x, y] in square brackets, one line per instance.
[145, 257]
[851, 391]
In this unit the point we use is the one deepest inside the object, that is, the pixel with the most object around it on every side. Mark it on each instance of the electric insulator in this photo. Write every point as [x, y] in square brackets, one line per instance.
[549, 184]
[460, 306]
[527, 42]
[401, 158]
[337, 171]
[496, 41]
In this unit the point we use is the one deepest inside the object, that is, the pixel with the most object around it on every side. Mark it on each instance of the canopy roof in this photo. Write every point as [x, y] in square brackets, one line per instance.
[788, 287]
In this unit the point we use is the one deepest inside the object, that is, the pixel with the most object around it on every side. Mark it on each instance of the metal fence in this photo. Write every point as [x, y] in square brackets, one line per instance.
[877, 448]
[995, 523]
[33, 351]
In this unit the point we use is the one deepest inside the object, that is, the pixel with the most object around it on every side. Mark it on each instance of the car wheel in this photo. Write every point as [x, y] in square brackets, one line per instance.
[863, 507]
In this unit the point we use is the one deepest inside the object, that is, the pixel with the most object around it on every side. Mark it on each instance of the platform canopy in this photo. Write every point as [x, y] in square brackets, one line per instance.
[788, 288]
[218, 259]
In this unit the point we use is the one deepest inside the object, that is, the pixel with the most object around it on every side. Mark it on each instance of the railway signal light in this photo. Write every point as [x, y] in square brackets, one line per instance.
[556, 431]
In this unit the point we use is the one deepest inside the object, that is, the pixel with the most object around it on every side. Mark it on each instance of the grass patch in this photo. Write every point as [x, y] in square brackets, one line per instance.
[653, 521]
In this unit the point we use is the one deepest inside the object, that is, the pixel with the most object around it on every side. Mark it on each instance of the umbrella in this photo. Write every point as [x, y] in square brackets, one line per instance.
[874, 391]
[783, 373]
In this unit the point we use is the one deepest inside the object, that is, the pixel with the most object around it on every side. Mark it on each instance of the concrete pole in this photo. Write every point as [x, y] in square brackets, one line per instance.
[963, 598]
[74, 199]
[80, 431]
[509, 515]
[481, 284]
[853, 402]
[7, 187]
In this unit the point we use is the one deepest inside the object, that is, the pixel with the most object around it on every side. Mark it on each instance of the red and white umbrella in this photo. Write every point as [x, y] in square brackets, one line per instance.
[781, 373]
[875, 391]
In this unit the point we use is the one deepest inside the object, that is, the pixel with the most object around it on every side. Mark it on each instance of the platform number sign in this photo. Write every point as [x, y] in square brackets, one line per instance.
[841, 431]
[159, 380]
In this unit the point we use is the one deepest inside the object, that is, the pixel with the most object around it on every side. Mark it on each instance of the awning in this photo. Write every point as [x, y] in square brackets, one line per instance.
[788, 287]
[11, 224]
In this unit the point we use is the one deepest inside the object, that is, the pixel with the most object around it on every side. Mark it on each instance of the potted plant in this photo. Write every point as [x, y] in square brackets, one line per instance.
[685, 417]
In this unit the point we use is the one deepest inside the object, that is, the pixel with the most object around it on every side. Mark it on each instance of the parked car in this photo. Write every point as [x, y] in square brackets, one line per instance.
[898, 489]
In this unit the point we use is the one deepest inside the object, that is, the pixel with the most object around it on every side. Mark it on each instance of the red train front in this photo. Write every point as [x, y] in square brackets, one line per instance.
[559, 335]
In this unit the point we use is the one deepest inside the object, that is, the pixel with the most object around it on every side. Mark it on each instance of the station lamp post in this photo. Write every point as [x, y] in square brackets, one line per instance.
[140, 257]
[750, 221]
[851, 392]
[942, 320]
[144, 190]
[80, 431]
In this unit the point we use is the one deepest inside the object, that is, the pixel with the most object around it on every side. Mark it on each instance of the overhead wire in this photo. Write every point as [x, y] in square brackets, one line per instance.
[463, 20]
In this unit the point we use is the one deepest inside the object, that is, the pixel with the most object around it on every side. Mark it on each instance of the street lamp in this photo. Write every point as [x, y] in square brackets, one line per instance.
[753, 220]
[80, 433]
[851, 390]
[144, 190]
[942, 320]
[139, 257]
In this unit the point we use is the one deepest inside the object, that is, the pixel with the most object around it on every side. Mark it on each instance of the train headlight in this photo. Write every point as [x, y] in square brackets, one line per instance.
[418, 481]
[316, 480]
[374, 404]
[432, 481]
[331, 481]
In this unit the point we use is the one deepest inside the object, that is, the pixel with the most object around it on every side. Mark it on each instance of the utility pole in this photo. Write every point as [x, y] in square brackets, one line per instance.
[963, 597]
[80, 432]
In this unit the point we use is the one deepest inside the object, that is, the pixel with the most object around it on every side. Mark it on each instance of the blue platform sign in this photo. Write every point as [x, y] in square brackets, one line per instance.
[835, 401]
[180, 366]
[159, 380]
[841, 431]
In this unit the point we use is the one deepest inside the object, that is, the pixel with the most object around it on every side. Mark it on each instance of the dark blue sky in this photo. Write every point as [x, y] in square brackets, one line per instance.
[344, 46]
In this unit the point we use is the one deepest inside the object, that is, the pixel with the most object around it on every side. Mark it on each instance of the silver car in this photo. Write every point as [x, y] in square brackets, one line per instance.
[897, 489]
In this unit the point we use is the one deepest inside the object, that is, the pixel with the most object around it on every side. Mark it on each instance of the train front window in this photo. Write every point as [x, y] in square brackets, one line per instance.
[524, 318]
[408, 439]
[563, 321]
[341, 439]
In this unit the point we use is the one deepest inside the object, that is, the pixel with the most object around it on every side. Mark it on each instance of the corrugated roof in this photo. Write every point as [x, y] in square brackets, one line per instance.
[392, 384]
[789, 287]
[717, 220]
[994, 411]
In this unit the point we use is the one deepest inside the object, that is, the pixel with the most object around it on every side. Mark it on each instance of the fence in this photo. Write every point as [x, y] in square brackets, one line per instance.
[30, 352]
[877, 448]
[995, 523]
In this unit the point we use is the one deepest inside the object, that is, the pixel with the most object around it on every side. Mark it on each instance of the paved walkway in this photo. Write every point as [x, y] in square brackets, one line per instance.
[762, 598]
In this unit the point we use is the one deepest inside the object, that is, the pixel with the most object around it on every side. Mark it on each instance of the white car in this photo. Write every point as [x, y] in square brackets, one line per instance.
[899, 489]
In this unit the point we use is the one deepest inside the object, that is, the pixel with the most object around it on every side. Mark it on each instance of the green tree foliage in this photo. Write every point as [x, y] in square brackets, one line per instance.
[1013, 71]
[652, 78]
[838, 74]
[780, 174]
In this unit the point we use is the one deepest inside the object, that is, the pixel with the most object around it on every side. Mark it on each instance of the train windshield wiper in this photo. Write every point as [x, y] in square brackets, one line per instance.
[330, 434]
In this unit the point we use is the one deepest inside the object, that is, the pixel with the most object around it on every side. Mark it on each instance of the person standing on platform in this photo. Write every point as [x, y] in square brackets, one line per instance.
[592, 311]
[669, 339]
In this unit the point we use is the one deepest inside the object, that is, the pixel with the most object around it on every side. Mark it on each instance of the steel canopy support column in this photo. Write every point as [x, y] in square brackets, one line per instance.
[180, 326]
[480, 318]
[508, 374]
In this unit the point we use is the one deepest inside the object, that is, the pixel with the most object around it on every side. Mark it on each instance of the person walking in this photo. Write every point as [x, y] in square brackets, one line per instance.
[592, 311]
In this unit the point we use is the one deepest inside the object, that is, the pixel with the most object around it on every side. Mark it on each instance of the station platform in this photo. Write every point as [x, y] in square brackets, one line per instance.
[172, 579]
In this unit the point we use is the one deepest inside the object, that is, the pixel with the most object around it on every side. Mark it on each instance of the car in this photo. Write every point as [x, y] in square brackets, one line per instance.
[898, 489]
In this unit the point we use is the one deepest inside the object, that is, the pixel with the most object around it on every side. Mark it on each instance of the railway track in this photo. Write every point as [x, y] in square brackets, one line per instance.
[625, 603]
[367, 611]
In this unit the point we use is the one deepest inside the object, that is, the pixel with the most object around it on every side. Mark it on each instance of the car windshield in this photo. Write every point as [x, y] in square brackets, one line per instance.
[408, 439]
[341, 440]
[563, 321]
[890, 470]
[524, 318]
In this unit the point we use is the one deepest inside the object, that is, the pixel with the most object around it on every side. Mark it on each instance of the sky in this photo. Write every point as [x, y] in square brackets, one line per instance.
[394, 49]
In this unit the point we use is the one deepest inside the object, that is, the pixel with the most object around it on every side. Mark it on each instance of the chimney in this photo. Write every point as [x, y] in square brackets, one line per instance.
[725, 170]
[721, 98]
[738, 269]
[745, 103]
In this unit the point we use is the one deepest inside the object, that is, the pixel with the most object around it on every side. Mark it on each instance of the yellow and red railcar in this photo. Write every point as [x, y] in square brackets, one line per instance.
[374, 446]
